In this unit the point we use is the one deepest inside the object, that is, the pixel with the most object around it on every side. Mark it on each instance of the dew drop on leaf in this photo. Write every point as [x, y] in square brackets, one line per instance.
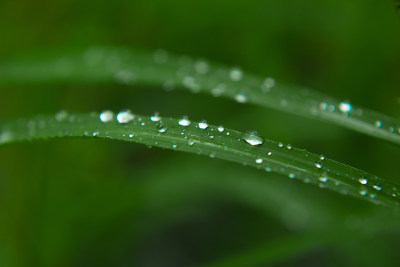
[267, 84]
[221, 128]
[201, 67]
[363, 180]
[155, 117]
[377, 187]
[291, 176]
[184, 121]
[203, 124]
[125, 116]
[345, 107]
[253, 138]
[318, 165]
[106, 116]
[236, 74]
[161, 127]
[241, 98]
[323, 179]
[259, 160]
[378, 124]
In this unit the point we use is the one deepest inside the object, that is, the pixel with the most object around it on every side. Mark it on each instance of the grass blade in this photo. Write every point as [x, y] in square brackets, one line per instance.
[162, 69]
[212, 141]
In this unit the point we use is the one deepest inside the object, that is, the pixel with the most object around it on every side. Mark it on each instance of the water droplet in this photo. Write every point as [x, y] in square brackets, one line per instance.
[95, 133]
[259, 160]
[289, 147]
[378, 124]
[363, 180]
[61, 115]
[322, 157]
[219, 90]
[190, 83]
[363, 192]
[155, 117]
[332, 108]
[253, 138]
[318, 165]
[212, 155]
[345, 107]
[280, 144]
[241, 98]
[324, 106]
[174, 146]
[323, 179]
[184, 121]
[161, 127]
[131, 135]
[5, 137]
[106, 116]
[160, 56]
[372, 196]
[221, 128]
[377, 187]
[201, 67]
[268, 84]
[291, 175]
[125, 116]
[268, 169]
[191, 142]
[203, 124]
[269, 153]
[236, 74]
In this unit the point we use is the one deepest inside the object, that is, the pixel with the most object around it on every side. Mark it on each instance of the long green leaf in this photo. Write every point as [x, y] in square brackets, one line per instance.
[216, 142]
[101, 64]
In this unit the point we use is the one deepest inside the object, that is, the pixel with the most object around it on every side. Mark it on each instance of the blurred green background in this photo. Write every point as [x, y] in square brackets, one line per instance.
[107, 203]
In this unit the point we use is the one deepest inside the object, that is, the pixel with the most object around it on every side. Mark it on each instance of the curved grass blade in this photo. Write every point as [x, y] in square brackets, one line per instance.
[216, 142]
[169, 71]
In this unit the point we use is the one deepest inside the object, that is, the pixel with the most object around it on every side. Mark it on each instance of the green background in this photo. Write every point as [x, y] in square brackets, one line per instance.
[107, 203]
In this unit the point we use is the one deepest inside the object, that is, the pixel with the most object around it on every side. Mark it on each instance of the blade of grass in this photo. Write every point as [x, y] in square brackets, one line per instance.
[209, 140]
[162, 69]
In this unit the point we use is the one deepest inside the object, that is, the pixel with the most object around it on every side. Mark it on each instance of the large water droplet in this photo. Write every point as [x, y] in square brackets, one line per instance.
[363, 180]
[259, 160]
[125, 116]
[236, 74]
[345, 107]
[184, 121]
[106, 116]
[203, 124]
[221, 128]
[318, 165]
[155, 117]
[161, 127]
[253, 138]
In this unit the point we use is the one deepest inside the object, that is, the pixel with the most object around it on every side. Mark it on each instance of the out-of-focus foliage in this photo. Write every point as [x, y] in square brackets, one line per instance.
[88, 202]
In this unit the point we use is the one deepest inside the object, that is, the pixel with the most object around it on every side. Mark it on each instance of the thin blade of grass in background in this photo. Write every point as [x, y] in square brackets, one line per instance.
[97, 65]
[214, 141]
